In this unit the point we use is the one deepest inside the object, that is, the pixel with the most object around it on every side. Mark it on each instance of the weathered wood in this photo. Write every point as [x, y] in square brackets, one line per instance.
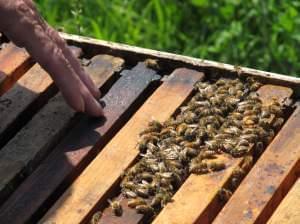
[25, 98]
[269, 180]
[79, 146]
[288, 212]
[19, 103]
[23, 152]
[198, 195]
[14, 62]
[173, 61]
[91, 187]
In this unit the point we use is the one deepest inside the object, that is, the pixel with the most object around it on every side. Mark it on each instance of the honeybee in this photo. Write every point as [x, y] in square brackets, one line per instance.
[239, 151]
[249, 137]
[213, 145]
[247, 163]
[228, 147]
[96, 218]
[142, 192]
[216, 166]
[265, 113]
[243, 142]
[144, 209]
[152, 63]
[255, 86]
[128, 193]
[259, 147]
[190, 134]
[198, 168]
[236, 177]
[153, 126]
[206, 154]
[127, 184]
[278, 123]
[232, 130]
[146, 176]
[202, 85]
[156, 201]
[181, 128]
[237, 115]
[132, 203]
[116, 207]
[224, 194]
[275, 109]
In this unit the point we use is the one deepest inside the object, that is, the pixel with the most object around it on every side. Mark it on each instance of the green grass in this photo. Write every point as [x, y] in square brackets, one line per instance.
[262, 34]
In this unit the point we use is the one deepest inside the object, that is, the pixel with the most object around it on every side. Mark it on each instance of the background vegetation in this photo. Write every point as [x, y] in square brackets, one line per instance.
[263, 34]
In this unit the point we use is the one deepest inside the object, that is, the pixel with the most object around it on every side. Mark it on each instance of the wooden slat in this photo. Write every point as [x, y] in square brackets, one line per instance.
[197, 198]
[18, 104]
[14, 62]
[79, 146]
[269, 180]
[95, 182]
[23, 152]
[25, 98]
[288, 211]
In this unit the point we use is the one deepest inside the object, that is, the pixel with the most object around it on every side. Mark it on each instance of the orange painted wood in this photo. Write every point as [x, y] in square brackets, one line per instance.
[197, 198]
[25, 97]
[269, 180]
[14, 62]
[104, 171]
[78, 147]
[288, 212]
[23, 152]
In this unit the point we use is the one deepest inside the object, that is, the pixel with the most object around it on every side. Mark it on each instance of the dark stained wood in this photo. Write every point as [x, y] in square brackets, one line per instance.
[91, 187]
[20, 103]
[14, 62]
[197, 198]
[26, 97]
[33, 142]
[269, 180]
[288, 212]
[79, 146]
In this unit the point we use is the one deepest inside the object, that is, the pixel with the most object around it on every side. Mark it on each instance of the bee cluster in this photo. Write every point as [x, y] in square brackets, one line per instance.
[226, 116]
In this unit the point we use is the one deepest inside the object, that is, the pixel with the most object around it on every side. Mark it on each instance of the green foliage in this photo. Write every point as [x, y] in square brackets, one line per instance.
[263, 34]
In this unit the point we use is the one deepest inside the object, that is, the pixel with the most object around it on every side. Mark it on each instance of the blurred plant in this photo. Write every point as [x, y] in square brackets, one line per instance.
[77, 15]
[259, 34]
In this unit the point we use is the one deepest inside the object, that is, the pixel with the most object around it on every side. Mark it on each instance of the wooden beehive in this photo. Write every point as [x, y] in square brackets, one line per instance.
[60, 167]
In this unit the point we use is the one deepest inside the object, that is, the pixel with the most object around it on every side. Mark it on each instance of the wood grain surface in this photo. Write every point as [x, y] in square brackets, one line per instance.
[14, 62]
[197, 198]
[288, 212]
[23, 152]
[20, 103]
[90, 188]
[82, 142]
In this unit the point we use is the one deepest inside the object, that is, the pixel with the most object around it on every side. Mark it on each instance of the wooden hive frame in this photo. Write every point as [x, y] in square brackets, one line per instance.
[55, 180]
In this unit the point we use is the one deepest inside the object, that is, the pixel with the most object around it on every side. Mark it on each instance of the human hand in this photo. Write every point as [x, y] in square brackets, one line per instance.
[22, 24]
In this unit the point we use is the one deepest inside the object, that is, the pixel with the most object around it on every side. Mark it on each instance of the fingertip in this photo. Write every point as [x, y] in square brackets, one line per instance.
[78, 105]
[97, 94]
[96, 112]
[93, 107]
